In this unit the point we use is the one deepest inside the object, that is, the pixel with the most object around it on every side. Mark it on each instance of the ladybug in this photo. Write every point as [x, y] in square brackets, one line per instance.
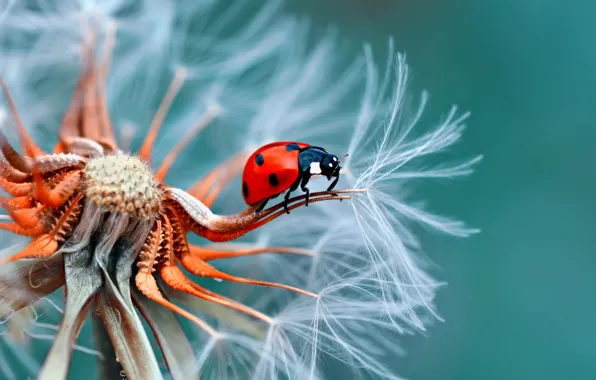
[280, 166]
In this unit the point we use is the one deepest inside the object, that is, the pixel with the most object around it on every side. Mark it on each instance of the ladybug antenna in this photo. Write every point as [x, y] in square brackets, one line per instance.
[345, 155]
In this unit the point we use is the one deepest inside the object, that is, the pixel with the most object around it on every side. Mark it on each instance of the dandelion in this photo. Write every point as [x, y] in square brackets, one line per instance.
[339, 281]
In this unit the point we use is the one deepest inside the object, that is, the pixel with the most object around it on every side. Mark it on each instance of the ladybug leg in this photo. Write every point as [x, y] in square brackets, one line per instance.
[332, 186]
[305, 189]
[262, 206]
[287, 197]
[286, 201]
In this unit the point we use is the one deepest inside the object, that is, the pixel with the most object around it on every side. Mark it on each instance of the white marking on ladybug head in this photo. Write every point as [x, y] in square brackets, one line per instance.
[330, 165]
[315, 168]
[334, 159]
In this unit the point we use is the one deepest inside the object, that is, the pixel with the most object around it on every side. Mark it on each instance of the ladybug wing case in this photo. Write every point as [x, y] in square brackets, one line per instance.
[271, 170]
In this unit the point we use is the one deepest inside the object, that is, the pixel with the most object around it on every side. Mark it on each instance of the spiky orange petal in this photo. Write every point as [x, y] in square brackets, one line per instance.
[29, 147]
[156, 123]
[41, 247]
[60, 193]
[199, 267]
[207, 254]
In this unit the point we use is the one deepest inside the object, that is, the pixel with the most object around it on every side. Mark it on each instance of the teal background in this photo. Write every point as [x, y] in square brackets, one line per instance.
[520, 302]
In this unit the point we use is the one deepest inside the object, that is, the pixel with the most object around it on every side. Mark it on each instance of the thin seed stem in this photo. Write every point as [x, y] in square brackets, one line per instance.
[173, 90]
[207, 118]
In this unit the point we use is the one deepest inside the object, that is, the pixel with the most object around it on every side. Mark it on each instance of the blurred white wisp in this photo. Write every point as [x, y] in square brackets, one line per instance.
[15, 349]
[43, 45]
[190, 84]
[384, 212]
[360, 256]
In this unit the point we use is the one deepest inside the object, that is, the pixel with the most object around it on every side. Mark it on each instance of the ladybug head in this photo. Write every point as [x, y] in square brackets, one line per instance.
[330, 166]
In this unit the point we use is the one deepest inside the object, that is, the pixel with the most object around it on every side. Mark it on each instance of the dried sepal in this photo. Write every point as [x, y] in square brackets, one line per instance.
[24, 282]
[82, 283]
[175, 346]
[127, 335]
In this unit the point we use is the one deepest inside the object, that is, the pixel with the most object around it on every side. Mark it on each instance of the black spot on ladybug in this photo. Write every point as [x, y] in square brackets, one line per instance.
[245, 190]
[273, 181]
[292, 147]
[259, 159]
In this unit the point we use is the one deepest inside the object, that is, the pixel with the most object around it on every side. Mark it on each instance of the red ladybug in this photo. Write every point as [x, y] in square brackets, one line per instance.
[280, 166]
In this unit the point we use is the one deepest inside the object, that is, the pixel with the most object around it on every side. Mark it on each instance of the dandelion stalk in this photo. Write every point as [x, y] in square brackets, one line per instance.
[108, 366]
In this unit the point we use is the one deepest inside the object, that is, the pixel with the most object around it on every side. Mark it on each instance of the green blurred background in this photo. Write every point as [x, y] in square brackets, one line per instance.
[521, 301]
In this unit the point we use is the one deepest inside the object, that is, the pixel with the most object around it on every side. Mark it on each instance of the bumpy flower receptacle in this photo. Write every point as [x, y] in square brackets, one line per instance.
[122, 184]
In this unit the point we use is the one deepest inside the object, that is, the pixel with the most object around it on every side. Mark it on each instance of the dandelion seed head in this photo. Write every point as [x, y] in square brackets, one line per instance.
[122, 184]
